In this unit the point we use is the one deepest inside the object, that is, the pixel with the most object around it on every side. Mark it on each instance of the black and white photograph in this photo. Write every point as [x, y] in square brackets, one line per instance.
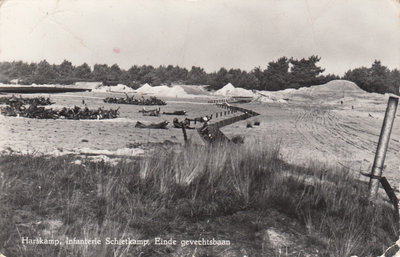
[199, 128]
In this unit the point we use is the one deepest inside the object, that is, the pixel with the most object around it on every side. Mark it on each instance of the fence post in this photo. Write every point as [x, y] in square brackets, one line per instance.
[184, 132]
[381, 149]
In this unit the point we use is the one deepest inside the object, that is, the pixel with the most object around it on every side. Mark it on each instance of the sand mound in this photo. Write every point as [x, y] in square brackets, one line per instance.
[230, 90]
[122, 88]
[335, 88]
[88, 85]
[174, 91]
[269, 99]
[331, 91]
[144, 89]
[196, 89]
[264, 99]
[227, 89]
[117, 89]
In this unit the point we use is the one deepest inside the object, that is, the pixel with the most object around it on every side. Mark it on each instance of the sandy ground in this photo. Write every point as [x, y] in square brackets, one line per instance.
[333, 134]
[343, 134]
[58, 136]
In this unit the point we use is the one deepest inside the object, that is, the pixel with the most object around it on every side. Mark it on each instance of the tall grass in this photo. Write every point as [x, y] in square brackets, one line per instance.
[169, 191]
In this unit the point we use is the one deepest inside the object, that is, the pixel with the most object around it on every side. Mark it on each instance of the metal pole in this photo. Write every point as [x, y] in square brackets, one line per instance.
[381, 149]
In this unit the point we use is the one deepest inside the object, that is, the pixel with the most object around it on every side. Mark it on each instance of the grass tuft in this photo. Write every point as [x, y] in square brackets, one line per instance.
[186, 192]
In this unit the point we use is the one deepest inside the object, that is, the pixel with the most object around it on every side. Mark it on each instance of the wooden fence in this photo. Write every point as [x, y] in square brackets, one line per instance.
[211, 133]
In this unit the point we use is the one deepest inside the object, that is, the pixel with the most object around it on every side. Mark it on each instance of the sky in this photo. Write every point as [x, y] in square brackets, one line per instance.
[207, 33]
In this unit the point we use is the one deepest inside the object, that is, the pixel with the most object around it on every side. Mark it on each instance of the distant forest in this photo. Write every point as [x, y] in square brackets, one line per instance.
[280, 74]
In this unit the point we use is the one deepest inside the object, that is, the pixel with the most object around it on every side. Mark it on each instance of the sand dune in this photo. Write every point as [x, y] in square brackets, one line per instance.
[174, 91]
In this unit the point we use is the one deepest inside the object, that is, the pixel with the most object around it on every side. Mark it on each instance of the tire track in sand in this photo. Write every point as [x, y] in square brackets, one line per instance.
[331, 133]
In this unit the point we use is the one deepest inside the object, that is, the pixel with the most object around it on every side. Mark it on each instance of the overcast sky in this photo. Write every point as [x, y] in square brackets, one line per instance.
[207, 33]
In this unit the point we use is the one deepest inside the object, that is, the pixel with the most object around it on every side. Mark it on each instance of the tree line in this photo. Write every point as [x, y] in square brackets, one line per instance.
[378, 78]
[280, 74]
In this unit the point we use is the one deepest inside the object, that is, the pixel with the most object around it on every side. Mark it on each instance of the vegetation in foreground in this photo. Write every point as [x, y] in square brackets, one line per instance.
[230, 193]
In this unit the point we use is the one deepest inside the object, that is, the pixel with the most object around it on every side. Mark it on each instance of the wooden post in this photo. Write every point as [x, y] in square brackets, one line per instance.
[383, 143]
[184, 132]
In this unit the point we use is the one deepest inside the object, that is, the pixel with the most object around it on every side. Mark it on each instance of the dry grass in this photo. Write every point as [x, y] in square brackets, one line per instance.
[186, 192]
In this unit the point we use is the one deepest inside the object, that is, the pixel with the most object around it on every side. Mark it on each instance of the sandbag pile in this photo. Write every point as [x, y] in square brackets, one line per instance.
[136, 101]
[33, 111]
[76, 113]
[20, 100]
